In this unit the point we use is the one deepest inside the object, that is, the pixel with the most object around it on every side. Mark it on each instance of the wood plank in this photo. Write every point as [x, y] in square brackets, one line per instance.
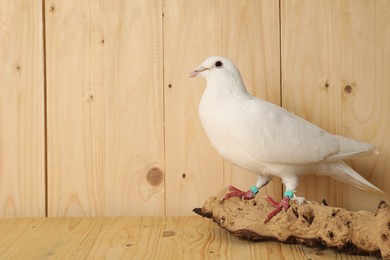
[311, 75]
[105, 108]
[124, 238]
[191, 238]
[195, 238]
[246, 32]
[14, 232]
[365, 112]
[68, 238]
[327, 46]
[194, 170]
[140, 238]
[250, 36]
[22, 142]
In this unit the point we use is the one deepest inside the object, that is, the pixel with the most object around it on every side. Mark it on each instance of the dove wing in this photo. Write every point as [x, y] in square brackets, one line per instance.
[350, 148]
[272, 134]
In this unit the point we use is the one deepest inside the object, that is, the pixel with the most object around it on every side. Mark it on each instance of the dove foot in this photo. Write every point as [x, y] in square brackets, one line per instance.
[234, 192]
[299, 200]
[282, 205]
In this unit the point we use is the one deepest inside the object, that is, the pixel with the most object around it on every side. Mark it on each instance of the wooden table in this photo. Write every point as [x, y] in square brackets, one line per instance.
[139, 238]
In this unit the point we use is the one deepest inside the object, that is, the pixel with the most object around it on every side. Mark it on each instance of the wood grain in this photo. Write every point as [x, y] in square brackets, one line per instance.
[310, 75]
[326, 46]
[14, 232]
[123, 134]
[105, 108]
[22, 154]
[193, 167]
[365, 111]
[250, 36]
[51, 238]
[245, 31]
[139, 238]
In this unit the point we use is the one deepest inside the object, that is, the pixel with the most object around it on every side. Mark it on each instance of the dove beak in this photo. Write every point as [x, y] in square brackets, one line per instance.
[197, 71]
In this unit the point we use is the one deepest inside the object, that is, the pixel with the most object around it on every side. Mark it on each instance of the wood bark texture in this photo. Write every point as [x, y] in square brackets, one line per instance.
[310, 223]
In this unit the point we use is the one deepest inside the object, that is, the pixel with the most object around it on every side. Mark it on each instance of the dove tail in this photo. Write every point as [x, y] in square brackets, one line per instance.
[344, 173]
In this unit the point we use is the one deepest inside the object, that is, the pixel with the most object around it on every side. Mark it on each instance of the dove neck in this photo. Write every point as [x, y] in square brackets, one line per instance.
[231, 86]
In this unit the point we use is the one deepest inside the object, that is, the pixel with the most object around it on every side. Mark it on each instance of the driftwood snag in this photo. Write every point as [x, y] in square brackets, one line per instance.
[311, 223]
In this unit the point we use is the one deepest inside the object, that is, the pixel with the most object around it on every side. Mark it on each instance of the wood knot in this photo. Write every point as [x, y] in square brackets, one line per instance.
[52, 9]
[168, 233]
[90, 98]
[127, 245]
[17, 68]
[214, 254]
[348, 89]
[155, 176]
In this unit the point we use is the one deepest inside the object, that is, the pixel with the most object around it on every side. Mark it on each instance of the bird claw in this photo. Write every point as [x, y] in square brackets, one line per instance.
[234, 192]
[299, 200]
[282, 205]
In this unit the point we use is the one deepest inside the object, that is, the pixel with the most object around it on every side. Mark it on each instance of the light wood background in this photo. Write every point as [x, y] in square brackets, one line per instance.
[335, 73]
[98, 115]
[22, 131]
[194, 170]
[105, 108]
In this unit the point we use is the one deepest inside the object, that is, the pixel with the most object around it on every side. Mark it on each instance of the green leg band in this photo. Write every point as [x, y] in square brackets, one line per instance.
[289, 194]
[254, 189]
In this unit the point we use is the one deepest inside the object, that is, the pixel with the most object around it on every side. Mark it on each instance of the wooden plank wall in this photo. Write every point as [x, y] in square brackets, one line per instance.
[22, 139]
[245, 31]
[105, 108]
[335, 73]
[122, 130]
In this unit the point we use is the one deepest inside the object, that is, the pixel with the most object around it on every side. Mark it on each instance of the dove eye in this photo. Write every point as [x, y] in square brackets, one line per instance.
[218, 64]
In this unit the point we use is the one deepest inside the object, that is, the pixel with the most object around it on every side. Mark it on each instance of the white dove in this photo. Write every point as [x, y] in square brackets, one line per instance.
[267, 139]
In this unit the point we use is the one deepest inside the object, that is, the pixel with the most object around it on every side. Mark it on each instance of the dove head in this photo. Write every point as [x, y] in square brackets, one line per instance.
[217, 68]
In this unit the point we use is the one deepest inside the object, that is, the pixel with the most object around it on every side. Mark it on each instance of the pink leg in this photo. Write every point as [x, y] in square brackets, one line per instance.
[283, 204]
[234, 192]
[271, 201]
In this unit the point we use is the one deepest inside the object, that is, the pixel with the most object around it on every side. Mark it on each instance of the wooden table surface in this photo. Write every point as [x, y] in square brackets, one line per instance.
[139, 238]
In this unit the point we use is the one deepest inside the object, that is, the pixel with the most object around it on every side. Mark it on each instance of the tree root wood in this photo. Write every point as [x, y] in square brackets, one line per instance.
[311, 223]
